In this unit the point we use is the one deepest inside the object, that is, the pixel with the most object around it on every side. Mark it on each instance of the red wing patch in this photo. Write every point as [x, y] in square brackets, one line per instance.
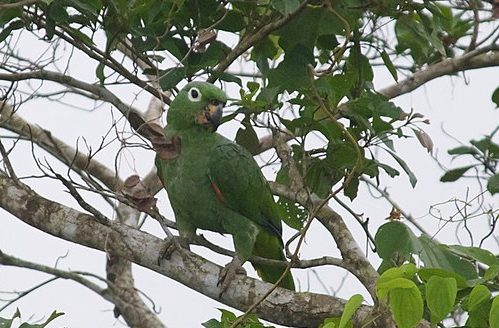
[218, 193]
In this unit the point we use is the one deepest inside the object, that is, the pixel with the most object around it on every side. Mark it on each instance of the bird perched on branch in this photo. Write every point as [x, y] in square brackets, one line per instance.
[215, 184]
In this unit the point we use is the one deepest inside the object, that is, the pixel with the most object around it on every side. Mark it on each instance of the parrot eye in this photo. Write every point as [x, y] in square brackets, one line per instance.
[194, 94]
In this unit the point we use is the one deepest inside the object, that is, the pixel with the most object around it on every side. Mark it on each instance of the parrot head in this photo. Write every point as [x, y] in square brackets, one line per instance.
[197, 104]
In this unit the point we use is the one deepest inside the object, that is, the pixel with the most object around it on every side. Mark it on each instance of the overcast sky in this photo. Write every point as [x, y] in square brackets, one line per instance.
[460, 105]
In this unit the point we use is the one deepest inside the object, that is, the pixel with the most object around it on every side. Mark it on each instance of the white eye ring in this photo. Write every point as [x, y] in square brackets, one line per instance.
[194, 94]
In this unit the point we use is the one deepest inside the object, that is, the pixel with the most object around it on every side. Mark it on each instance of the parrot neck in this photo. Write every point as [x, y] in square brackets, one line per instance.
[196, 134]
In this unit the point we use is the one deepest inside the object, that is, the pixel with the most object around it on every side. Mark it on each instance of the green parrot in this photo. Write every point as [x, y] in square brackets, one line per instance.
[215, 184]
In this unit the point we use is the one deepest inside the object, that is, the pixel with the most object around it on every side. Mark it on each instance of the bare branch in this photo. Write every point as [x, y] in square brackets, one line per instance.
[133, 115]
[68, 155]
[17, 262]
[478, 58]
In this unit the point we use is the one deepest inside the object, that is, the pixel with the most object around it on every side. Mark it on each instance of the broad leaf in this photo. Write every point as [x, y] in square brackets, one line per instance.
[493, 184]
[454, 174]
[478, 254]
[349, 310]
[478, 295]
[395, 239]
[440, 297]
[412, 178]
[494, 313]
[407, 306]
[495, 97]
[436, 255]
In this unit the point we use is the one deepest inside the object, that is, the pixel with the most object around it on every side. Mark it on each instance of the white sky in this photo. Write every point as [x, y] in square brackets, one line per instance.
[461, 106]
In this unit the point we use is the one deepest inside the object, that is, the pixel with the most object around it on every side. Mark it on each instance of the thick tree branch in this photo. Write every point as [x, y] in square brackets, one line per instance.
[119, 272]
[283, 307]
[478, 58]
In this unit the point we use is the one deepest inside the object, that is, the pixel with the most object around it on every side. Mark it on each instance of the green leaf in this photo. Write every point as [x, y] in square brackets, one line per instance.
[389, 65]
[493, 184]
[491, 273]
[494, 313]
[233, 22]
[58, 13]
[407, 306]
[90, 7]
[212, 323]
[436, 255]
[99, 72]
[246, 137]
[462, 150]
[478, 295]
[330, 323]
[285, 7]
[389, 170]
[349, 310]
[352, 188]
[495, 97]
[291, 213]
[412, 36]
[227, 316]
[292, 73]
[227, 77]
[478, 254]
[395, 240]
[7, 323]
[171, 77]
[426, 274]
[52, 316]
[317, 22]
[397, 277]
[412, 178]
[395, 283]
[454, 174]
[440, 297]
[15, 25]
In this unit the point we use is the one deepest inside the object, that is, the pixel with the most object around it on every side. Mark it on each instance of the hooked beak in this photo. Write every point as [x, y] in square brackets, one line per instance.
[211, 115]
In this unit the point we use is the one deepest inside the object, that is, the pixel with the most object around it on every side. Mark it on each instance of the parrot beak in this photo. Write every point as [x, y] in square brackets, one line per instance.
[212, 115]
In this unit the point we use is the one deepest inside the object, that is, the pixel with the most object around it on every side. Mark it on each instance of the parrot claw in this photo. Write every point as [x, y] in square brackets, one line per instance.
[228, 273]
[173, 244]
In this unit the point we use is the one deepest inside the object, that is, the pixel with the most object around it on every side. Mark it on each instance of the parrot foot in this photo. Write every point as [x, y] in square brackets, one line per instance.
[173, 244]
[228, 273]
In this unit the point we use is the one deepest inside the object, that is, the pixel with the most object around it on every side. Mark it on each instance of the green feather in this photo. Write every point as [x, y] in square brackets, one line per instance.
[207, 162]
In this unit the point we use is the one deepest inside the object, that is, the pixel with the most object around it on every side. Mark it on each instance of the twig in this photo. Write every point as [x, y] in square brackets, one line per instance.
[386, 196]
[9, 260]
[251, 38]
[7, 163]
[86, 206]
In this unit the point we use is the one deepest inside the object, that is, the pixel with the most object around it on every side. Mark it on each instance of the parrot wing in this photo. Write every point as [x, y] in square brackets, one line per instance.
[239, 184]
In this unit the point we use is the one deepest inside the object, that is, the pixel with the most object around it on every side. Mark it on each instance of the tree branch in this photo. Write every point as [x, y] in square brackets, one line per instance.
[353, 256]
[134, 315]
[253, 37]
[76, 160]
[133, 115]
[478, 58]
[283, 306]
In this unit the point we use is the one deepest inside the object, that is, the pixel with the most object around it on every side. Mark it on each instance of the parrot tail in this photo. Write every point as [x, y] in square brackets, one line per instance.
[270, 246]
